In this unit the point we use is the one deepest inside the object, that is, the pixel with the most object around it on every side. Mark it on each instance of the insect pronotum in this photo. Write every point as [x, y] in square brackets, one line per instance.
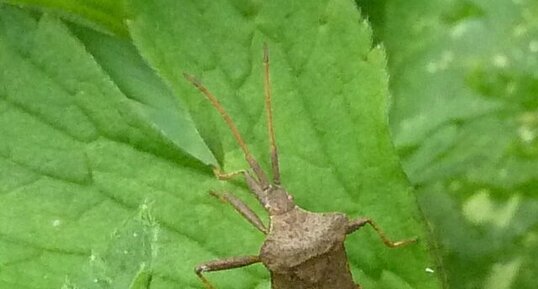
[302, 249]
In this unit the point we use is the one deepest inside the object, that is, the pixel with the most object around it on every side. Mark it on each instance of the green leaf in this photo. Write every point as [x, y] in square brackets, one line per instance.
[465, 120]
[330, 102]
[78, 155]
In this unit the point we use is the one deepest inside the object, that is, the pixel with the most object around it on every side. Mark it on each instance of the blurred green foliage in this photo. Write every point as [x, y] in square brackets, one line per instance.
[464, 78]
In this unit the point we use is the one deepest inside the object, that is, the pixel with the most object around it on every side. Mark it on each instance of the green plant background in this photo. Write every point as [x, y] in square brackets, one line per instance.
[102, 139]
[465, 121]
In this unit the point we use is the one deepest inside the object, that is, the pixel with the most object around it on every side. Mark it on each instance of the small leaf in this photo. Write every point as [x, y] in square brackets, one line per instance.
[150, 96]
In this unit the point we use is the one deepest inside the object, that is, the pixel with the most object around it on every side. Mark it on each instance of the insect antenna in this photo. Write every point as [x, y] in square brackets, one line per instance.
[262, 178]
[269, 115]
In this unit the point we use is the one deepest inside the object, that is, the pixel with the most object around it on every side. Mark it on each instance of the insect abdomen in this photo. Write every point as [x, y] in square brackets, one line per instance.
[327, 271]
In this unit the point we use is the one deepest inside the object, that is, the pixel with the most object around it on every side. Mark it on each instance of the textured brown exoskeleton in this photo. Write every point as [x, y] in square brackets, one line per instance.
[302, 249]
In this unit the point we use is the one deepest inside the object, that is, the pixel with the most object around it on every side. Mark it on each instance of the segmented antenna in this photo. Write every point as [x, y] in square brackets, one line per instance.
[262, 178]
[269, 115]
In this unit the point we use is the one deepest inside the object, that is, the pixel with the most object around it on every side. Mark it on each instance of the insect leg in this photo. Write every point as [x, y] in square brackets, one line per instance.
[253, 185]
[354, 225]
[225, 176]
[242, 209]
[269, 115]
[223, 264]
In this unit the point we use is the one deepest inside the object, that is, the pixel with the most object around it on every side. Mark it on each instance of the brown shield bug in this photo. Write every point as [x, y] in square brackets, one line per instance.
[302, 249]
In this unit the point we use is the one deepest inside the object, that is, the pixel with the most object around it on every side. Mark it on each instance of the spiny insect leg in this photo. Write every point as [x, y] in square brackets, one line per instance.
[254, 165]
[354, 225]
[242, 209]
[223, 264]
[226, 176]
[269, 115]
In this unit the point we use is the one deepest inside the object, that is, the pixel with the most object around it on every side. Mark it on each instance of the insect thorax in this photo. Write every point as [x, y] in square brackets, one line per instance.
[299, 236]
